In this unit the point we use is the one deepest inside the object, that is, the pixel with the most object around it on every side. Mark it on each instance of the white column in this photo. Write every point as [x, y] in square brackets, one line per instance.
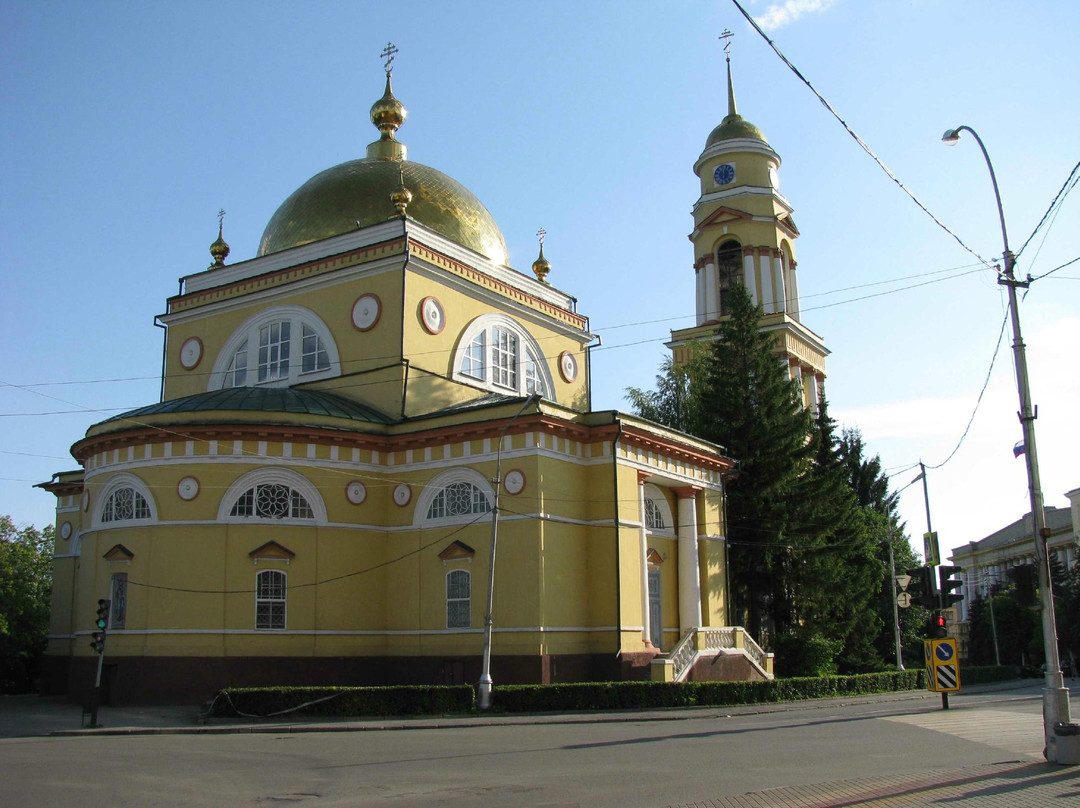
[646, 633]
[768, 299]
[750, 277]
[712, 295]
[699, 292]
[813, 390]
[689, 570]
[778, 273]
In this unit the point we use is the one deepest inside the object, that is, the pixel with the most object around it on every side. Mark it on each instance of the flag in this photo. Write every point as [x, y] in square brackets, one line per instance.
[1019, 448]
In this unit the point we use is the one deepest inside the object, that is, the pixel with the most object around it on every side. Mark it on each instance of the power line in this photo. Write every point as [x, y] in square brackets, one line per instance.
[1066, 187]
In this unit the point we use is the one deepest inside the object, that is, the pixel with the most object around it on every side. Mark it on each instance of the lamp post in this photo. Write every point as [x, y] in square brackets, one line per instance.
[484, 685]
[1055, 695]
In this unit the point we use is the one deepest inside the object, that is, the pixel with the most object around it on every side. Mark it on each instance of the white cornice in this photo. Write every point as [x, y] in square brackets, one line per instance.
[734, 146]
[746, 190]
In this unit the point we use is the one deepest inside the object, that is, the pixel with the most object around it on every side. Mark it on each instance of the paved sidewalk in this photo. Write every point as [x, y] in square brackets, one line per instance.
[996, 785]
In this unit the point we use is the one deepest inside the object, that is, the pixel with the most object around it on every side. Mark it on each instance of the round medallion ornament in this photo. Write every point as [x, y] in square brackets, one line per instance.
[188, 488]
[724, 174]
[402, 495]
[86, 500]
[191, 353]
[65, 530]
[514, 482]
[366, 311]
[432, 315]
[356, 493]
[567, 366]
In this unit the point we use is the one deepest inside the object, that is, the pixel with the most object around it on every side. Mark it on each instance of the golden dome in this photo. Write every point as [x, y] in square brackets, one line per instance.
[364, 192]
[541, 266]
[735, 126]
[219, 250]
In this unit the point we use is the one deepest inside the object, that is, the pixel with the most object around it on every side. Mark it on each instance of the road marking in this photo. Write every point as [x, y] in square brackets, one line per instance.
[1015, 732]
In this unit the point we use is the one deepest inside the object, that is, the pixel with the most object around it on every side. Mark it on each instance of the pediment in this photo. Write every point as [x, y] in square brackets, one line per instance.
[654, 558]
[272, 551]
[787, 224]
[118, 552]
[457, 551]
[724, 215]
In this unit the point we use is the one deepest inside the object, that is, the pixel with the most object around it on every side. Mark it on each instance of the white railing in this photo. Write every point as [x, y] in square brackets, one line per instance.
[717, 641]
[683, 655]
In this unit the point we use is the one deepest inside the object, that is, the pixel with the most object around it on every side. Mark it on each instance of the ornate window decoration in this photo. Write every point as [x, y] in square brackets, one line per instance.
[729, 270]
[118, 595]
[495, 352]
[277, 347]
[277, 494]
[458, 599]
[270, 590]
[657, 512]
[453, 497]
[125, 500]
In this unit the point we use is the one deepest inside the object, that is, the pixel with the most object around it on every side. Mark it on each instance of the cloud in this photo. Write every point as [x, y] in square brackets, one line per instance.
[780, 14]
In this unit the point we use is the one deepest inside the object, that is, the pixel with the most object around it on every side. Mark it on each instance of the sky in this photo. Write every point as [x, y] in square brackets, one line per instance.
[128, 125]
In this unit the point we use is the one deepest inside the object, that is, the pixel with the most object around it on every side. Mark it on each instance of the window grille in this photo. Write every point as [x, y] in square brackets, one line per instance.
[125, 504]
[272, 501]
[270, 589]
[458, 499]
[458, 599]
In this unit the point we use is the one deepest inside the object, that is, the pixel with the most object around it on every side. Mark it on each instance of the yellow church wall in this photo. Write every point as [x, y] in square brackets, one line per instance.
[712, 564]
[751, 168]
[332, 300]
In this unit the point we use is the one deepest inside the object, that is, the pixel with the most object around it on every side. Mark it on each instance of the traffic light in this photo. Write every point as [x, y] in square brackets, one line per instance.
[921, 587]
[97, 641]
[948, 583]
[103, 613]
[935, 628]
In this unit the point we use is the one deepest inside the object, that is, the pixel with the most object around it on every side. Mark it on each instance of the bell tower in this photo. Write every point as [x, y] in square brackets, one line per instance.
[744, 233]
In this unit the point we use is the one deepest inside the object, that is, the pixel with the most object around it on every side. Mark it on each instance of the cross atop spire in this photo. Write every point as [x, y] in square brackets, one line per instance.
[540, 235]
[725, 37]
[388, 54]
[220, 219]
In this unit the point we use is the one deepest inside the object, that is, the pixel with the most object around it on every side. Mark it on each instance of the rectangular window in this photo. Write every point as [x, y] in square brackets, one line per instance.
[472, 363]
[236, 375]
[274, 351]
[118, 595]
[534, 383]
[314, 356]
[504, 353]
[458, 599]
[270, 600]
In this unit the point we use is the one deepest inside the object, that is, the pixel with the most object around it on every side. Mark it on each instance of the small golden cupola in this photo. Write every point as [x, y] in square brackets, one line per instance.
[388, 114]
[541, 266]
[219, 249]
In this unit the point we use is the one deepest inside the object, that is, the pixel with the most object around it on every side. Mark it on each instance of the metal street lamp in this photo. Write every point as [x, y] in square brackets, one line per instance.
[1055, 695]
[485, 683]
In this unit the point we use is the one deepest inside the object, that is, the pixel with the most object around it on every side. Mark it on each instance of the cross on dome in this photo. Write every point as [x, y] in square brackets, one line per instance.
[388, 54]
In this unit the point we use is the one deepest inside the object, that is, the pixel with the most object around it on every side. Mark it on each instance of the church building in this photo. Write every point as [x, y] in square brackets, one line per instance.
[355, 419]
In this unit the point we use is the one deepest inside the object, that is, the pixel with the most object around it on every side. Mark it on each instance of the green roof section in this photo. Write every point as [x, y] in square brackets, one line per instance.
[264, 399]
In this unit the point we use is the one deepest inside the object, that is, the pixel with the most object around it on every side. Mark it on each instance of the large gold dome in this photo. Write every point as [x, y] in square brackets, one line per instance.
[336, 200]
[364, 192]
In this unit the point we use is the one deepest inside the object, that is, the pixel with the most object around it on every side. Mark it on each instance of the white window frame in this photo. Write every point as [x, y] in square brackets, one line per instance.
[490, 370]
[243, 350]
[661, 507]
[114, 484]
[439, 484]
[273, 476]
[271, 601]
[467, 600]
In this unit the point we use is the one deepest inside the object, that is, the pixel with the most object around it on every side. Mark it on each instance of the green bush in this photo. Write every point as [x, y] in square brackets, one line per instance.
[268, 702]
[264, 702]
[985, 674]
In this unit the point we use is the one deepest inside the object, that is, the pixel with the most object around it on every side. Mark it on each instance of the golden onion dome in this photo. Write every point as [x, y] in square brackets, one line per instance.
[541, 266]
[360, 193]
[219, 250]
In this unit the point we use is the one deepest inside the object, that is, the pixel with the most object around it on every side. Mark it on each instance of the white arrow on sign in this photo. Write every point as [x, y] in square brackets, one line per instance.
[903, 580]
[903, 600]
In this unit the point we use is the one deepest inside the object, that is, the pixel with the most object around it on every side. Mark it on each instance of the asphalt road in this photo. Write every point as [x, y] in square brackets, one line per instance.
[659, 760]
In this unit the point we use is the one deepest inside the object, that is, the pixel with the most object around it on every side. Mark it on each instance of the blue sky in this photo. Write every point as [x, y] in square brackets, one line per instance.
[128, 125]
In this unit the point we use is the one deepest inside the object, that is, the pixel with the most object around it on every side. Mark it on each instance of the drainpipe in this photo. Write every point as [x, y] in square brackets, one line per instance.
[618, 561]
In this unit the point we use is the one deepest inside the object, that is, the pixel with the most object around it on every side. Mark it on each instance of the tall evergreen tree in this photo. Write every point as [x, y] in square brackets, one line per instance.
[755, 411]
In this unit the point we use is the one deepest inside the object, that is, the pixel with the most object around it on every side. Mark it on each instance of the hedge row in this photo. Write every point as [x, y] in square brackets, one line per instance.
[264, 702]
[420, 700]
[985, 674]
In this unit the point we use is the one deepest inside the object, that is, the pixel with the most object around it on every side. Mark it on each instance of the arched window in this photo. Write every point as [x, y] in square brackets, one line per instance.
[272, 493]
[458, 499]
[458, 599]
[497, 353]
[728, 271]
[272, 501]
[125, 500]
[123, 505]
[277, 347]
[270, 590]
[454, 496]
[657, 511]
